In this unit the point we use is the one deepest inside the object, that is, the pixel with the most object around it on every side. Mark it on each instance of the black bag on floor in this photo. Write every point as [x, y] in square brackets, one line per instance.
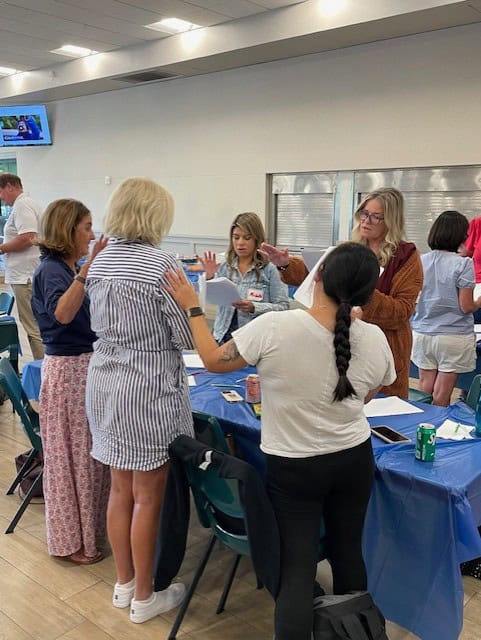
[353, 616]
[31, 475]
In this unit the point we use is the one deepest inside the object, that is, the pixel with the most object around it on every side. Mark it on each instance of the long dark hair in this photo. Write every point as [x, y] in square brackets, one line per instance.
[349, 275]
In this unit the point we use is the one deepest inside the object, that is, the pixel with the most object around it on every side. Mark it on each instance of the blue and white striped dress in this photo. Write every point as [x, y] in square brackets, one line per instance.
[137, 390]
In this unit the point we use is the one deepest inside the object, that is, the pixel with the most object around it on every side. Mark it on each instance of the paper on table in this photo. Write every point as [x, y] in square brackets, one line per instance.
[221, 291]
[191, 381]
[305, 292]
[451, 430]
[391, 406]
[477, 331]
[193, 360]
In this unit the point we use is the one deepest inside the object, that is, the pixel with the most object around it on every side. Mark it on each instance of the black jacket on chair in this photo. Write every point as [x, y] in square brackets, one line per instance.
[260, 520]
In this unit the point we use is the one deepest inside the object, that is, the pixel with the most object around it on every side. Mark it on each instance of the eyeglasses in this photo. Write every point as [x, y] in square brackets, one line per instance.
[373, 218]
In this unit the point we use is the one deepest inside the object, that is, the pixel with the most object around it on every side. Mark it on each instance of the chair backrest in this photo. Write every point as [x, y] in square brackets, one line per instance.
[224, 511]
[11, 385]
[6, 302]
[218, 505]
[209, 432]
[473, 393]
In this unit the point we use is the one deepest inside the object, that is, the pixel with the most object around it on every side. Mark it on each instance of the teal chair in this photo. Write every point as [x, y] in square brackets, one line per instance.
[473, 393]
[10, 383]
[6, 303]
[9, 341]
[219, 508]
[420, 396]
[208, 431]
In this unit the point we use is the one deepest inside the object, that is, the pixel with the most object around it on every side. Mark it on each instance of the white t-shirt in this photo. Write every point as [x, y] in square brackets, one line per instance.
[295, 359]
[24, 218]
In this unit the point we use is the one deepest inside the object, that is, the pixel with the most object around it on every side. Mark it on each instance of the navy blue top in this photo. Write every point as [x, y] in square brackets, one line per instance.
[51, 280]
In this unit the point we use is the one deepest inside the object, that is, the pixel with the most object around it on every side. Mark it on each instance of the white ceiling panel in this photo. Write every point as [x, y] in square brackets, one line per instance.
[97, 27]
[233, 10]
[276, 4]
[183, 10]
[54, 36]
[128, 11]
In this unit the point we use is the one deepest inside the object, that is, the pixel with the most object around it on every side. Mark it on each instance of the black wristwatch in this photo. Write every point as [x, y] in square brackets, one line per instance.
[193, 312]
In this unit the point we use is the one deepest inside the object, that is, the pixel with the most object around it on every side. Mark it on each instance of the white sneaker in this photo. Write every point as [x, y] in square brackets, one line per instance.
[159, 602]
[123, 594]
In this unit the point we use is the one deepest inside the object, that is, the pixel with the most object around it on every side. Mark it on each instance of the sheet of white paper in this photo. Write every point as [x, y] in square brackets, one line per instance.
[221, 291]
[193, 360]
[391, 406]
[201, 286]
[477, 331]
[305, 292]
[191, 381]
[311, 257]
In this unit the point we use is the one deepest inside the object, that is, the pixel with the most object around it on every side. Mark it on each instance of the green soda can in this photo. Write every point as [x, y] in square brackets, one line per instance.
[425, 442]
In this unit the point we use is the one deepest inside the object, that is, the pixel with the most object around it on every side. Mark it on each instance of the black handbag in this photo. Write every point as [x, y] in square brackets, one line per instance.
[29, 477]
[353, 616]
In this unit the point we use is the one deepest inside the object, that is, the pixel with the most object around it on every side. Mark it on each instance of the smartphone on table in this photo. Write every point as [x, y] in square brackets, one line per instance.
[232, 396]
[388, 434]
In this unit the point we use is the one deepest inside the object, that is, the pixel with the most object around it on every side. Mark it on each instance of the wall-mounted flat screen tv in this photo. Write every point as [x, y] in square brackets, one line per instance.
[22, 126]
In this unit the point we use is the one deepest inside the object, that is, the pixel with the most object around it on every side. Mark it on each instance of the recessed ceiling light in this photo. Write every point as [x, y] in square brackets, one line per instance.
[172, 25]
[73, 52]
[7, 71]
[331, 7]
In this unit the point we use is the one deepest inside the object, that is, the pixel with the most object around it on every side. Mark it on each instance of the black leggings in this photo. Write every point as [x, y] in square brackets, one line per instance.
[335, 487]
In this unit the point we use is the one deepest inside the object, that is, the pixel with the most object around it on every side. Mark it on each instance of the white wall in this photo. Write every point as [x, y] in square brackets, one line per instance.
[212, 139]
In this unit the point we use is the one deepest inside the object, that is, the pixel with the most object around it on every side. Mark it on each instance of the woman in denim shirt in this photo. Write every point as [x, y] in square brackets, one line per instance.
[257, 279]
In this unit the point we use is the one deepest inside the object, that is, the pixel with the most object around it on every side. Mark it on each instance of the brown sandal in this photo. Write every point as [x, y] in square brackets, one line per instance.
[81, 559]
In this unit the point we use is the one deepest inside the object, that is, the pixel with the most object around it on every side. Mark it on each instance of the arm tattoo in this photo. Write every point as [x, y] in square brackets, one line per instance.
[230, 352]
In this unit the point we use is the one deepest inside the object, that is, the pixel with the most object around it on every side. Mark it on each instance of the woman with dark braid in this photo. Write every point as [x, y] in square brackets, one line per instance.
[318, 368]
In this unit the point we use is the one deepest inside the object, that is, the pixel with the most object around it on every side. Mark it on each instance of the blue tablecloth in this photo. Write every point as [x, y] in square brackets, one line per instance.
[32, 378]
[422, 518]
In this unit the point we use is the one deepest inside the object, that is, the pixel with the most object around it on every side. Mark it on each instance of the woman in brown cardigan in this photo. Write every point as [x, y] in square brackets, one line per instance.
[379, 224]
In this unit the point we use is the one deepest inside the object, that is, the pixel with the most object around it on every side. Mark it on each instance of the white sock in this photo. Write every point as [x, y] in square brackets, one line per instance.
[127, 585]
[149, 599]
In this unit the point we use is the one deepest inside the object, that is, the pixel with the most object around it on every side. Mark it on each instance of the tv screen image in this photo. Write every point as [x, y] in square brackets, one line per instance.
[25, 125]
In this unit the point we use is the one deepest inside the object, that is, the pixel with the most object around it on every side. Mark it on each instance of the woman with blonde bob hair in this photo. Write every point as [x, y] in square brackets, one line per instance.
[140, 209]
[76, 486]
[137, 390]
[379, 225]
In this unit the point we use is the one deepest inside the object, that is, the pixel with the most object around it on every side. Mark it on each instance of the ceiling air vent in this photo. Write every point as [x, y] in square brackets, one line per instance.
[146, 76]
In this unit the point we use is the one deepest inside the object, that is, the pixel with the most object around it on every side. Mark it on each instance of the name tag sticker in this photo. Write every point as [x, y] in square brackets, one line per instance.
[256, 295]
